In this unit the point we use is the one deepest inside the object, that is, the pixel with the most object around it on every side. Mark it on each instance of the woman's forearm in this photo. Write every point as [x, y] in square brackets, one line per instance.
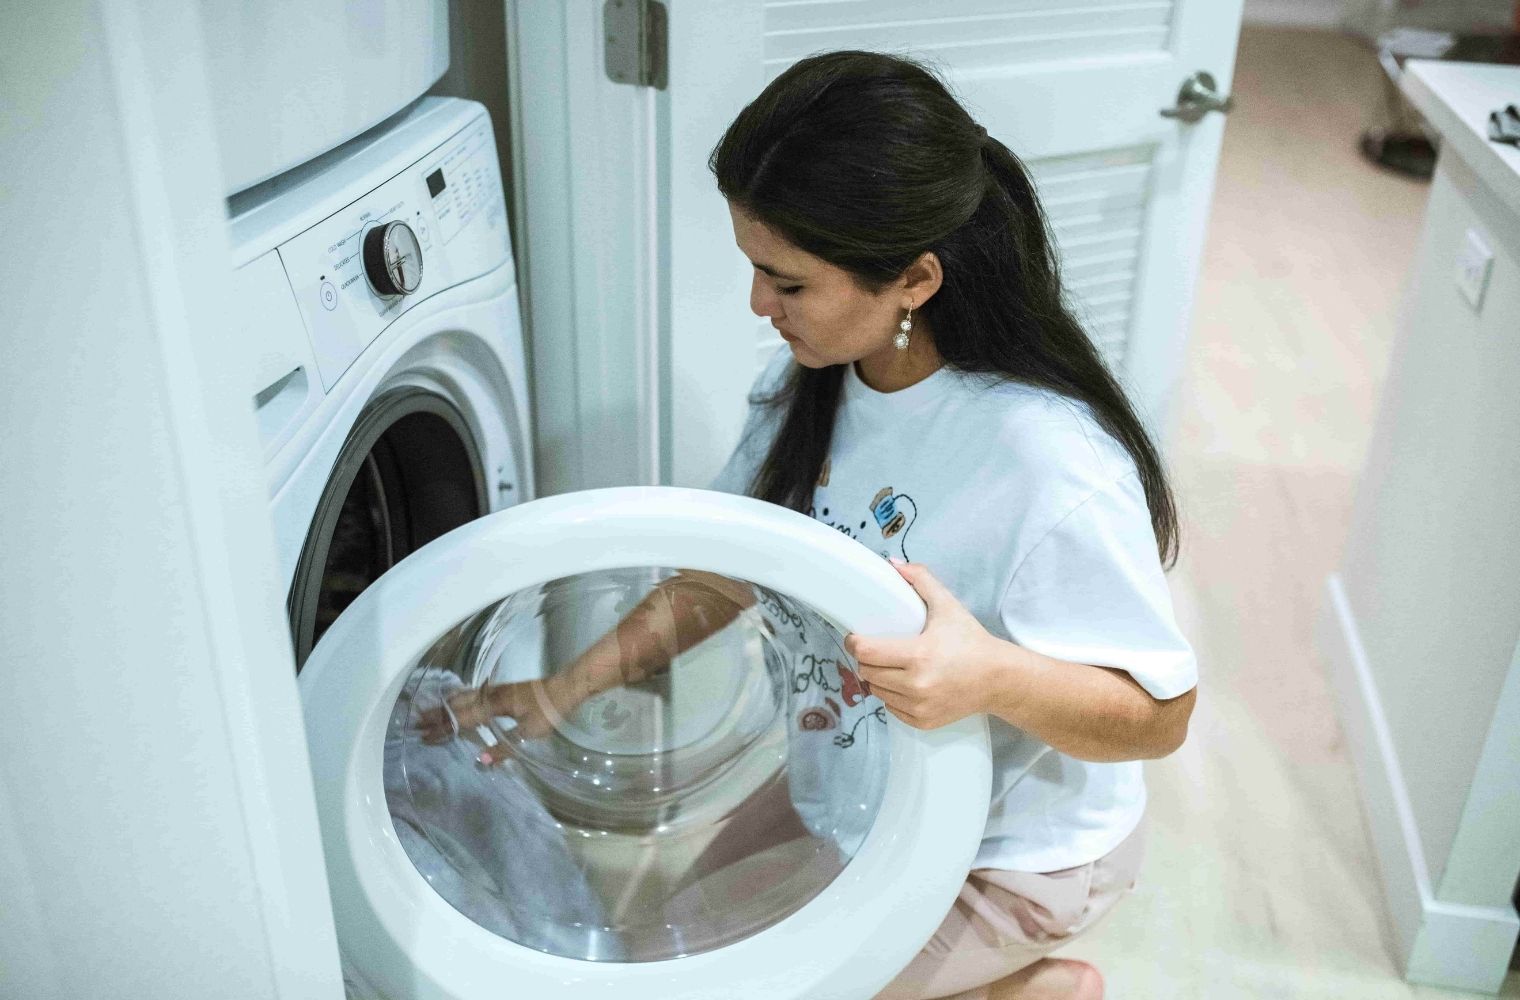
[1091, 713]
[676, 615]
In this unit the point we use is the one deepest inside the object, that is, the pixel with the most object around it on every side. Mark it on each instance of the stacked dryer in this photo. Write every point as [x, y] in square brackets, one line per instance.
[295, 78]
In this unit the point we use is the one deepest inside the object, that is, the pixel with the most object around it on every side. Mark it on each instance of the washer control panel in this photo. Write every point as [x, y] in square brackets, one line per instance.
[436, 224]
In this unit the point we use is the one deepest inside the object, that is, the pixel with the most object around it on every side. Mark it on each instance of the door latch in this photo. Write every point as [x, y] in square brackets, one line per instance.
[634, 38]
[1197, 98]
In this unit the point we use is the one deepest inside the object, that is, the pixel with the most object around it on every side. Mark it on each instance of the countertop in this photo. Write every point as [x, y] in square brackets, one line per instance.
[1455, 99]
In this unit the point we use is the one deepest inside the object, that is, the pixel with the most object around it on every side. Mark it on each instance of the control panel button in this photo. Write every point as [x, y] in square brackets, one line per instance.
[328, 293]
[393, 259]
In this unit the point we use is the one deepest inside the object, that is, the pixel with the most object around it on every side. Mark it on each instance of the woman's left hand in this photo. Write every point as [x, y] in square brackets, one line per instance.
[939, 676]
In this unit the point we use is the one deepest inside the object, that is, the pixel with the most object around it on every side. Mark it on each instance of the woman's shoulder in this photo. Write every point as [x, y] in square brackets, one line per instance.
[1036, 429]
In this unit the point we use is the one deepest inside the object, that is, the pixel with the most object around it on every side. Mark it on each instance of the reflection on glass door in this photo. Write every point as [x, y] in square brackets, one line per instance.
[635, 764]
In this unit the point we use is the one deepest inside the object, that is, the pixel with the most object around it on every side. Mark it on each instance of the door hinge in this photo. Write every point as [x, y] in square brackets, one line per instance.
[634, 33]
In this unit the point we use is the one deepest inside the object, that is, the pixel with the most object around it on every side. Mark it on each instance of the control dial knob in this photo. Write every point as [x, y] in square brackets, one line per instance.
[393, 259]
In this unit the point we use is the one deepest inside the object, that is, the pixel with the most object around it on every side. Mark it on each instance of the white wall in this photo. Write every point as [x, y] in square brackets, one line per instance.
[157, 828]
[1425, 610]
[1372, 17]
[1431, 558]
[1295, 13]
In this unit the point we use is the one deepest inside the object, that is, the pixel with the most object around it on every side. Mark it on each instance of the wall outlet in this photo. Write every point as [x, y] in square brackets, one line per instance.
[1474, 261]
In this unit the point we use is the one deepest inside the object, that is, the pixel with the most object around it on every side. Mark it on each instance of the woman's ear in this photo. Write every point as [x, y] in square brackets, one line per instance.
[922, 279]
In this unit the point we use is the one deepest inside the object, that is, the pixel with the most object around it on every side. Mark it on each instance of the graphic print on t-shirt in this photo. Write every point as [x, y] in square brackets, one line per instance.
[816, 718]
[820, 678]
[852, 687]
[886, 508]
[823, 515]
[818, 512]
[894, 513]
[836, 749]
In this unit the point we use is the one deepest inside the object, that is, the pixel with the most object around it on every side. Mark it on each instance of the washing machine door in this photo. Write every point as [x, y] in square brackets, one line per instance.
[610, 743]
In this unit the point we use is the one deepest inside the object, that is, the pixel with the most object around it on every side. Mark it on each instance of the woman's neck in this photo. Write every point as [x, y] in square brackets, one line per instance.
[889, 369]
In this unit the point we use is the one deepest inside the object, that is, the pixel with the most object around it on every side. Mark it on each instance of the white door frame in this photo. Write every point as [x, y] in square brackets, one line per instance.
[157, 823]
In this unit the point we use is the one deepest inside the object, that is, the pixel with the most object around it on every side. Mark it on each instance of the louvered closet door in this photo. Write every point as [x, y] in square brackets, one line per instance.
[1075, 87]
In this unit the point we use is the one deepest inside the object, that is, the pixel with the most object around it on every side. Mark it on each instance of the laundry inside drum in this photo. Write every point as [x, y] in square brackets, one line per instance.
[676, 760]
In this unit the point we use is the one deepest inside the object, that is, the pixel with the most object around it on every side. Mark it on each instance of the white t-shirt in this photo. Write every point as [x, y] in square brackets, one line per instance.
[1035, 519]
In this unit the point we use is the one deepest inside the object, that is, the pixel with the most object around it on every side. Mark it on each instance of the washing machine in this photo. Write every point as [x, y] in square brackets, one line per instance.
[378, 289]
[604, 743]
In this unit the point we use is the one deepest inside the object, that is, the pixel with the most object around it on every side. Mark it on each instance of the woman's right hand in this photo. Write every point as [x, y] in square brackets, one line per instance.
[677, 615]
[536, 707]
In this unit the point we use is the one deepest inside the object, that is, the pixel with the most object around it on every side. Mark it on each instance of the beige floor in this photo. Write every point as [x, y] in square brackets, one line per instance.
[1261, 881]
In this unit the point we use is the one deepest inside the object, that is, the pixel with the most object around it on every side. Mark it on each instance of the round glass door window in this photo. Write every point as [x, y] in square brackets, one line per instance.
[635, 765]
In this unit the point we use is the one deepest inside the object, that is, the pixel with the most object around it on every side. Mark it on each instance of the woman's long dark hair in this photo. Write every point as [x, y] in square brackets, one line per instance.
[866, 161]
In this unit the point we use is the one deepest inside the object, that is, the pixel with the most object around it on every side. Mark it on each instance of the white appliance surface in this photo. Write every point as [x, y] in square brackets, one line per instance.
[294, 78]
[328, 345]
[400, 936]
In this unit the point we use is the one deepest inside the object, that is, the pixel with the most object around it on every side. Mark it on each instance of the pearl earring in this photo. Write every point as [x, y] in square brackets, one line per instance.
[900, 341]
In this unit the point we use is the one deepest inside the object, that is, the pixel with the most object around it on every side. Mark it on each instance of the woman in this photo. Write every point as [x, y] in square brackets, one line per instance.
[939, 402]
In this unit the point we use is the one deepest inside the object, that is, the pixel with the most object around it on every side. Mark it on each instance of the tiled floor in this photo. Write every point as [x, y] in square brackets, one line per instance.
[1261, 881]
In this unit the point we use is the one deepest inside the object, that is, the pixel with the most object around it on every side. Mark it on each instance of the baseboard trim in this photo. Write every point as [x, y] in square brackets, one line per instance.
[1440, 944]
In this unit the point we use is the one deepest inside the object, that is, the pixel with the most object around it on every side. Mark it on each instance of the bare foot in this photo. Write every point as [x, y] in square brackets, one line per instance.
[1050, 979]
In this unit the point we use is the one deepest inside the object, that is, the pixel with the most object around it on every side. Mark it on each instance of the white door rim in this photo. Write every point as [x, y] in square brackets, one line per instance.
[405, 940]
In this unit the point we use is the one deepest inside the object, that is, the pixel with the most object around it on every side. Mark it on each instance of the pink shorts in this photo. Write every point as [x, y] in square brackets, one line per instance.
[1006, 920]
[1001, 922]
